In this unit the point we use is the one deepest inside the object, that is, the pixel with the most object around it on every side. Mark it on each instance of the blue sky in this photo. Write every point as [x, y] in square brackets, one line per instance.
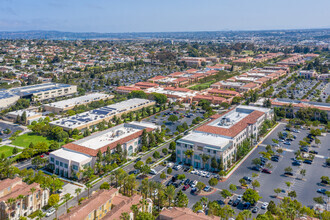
[162, 15]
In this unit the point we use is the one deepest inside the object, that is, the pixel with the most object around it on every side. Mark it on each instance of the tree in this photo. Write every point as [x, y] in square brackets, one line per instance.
[200, 186]
[242, 182]
[78, 191]
[156, 155]
[319, 200]
[213, 181]
[169, 170]
[246, 214]
[149, 160]
[165, 151]
[277, 191]
[163, 175]
[302, 173]
[181, 200]
[232, 187]
[251, 196]
[225, 193]
[124, 216]
[88, 186]
[138, 165]
[170, 192]
[145, 169]
[144, 216]
[67, 197]
[53, 199]
[255, 184]
[288, 169]
[105, 185]
[15, 150]
[256, 161]
[173, 118]
[292, 194]
[272, 207]
[172, 146]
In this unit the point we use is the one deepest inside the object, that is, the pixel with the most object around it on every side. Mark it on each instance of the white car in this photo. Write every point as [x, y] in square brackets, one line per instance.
[194, 183]
[203, 174]
[50, 211]
[264, 205]
[193, 172]
[170, 165]
[239, 197]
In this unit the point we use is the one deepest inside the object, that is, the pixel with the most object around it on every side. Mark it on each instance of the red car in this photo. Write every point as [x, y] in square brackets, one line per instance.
[47, 153]
[266, 171]
[185, 187]
[41, 156]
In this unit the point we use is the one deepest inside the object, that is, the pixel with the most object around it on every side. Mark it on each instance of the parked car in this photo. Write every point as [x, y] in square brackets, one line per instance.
[153, 172]
[265, 170]
[264, 205]
[255, 209]
[185, 187]
[246, 205]
[288, 173]
[296, 163]
[137, 159]
[275, 159]
[230, 202]
[308, 161]
[50, 211]
[236, 202]
[187, 181]
[207, 189]
[193, 190]
[304, 149]
[256, 168]
[186, 169]
[313, 152]
[322, 191]
[247, 179]
[287, 143]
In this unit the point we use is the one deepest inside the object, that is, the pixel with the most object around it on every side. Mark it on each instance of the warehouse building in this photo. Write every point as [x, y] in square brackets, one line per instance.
[65, 105]
[38, 92]
[92, 118]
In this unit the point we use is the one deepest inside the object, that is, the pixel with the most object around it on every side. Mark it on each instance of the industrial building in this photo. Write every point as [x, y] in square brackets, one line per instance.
[91, 118]
[38, 92]
[65, 105]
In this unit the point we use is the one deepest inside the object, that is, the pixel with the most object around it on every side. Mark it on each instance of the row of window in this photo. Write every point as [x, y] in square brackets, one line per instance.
[59, 163]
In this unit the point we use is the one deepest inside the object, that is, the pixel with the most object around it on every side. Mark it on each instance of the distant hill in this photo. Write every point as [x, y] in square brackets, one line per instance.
[58, 35]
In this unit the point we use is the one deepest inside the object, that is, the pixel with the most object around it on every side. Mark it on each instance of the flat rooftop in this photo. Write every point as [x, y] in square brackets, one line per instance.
[71, 155]
[100, 113]
[231, 118]
[27, 90]
[79, 100]
[170, 92]
[28, 113]
[232, 83]
[107, 137]
[210, 140]
[5, 94]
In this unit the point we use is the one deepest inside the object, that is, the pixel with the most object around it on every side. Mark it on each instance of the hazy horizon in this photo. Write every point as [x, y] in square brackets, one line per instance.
[131, 16]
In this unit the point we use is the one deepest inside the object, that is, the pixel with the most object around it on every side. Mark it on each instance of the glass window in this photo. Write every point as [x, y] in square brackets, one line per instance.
[75, 167]
[61, 164]
[57, 162]
[52, 159]
[66, 165]
[178, 152]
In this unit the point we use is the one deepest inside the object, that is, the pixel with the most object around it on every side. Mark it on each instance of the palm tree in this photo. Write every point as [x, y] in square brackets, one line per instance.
[135, 210]
[88, 186]
[144, 187]
[67, 197]
[20, 198]
[124, 216]
[189, 153]
[161, 195]
[78, 191]
[56, 206]
[143, 204]
[205, 159]
[40, 215]
[10, 203]
[170, 192]
[32, 190]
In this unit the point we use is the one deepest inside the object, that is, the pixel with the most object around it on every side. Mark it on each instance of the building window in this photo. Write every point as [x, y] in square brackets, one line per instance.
[178, 152]
[66, 165]
[200, 148]
[52, 159]
[75, 167]
[61, 164]
[57, 162]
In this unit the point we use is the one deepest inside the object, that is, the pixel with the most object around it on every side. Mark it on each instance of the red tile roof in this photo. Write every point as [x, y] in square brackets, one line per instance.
[177, 89]
[157, 78]
[176, 213]
[176, 74]
[127, 88]
[146, 84]
[223, 91]
[235, 129]
[92, 152]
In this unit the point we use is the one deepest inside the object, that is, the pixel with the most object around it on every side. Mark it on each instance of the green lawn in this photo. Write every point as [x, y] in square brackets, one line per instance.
[7, 150]
[25, 140]
[202, 85]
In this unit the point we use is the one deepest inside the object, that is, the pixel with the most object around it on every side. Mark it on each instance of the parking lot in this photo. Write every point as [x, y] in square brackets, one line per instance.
[305, 189]
[12, 127]
[159, 119]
